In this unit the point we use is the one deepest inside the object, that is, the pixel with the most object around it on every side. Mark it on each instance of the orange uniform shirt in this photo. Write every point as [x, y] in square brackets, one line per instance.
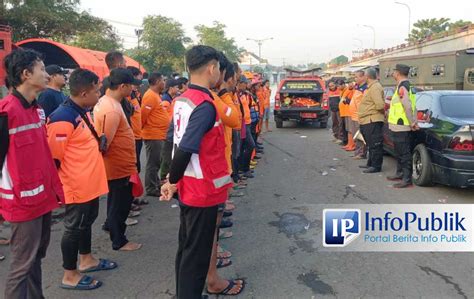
[344, 108]
[82, 170]
[261, 101]
[120, 158]
[244, 99]
[155, 118]
[228, 113]
[136, 118]
[268, 93]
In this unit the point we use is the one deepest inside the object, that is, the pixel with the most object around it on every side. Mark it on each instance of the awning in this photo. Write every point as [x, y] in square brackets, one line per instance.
[70, 57]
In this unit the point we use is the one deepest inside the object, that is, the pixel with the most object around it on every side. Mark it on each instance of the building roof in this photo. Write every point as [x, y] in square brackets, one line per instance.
[72, 57]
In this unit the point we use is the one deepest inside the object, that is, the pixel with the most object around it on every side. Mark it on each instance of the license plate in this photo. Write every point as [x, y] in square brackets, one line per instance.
[309, 115]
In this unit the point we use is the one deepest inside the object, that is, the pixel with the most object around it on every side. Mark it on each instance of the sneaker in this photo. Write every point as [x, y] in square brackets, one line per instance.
[135, 207]
[130, 222]
[252, 167]
[236, 194]
[257, 157]
[133, 214]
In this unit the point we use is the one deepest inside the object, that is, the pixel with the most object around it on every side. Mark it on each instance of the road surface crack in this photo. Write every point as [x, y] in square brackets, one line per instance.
[445, 278]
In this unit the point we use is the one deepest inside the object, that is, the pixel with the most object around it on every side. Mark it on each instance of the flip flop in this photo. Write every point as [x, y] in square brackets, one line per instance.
[221, 250]
[226, 223]
[225, 235]
[103, 265]
[222, 263]
[4, 241]
[86, 283]
[229, 288]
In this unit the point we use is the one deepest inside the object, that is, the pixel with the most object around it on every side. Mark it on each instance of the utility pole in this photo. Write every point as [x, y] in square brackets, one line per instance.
[138, 33]
[409, 15]
[260, 43]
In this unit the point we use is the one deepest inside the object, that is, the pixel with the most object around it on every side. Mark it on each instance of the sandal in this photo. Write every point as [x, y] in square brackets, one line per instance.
[228, 289]
[102, 266]
[4, 241]
[86, 283]
[222, 263]
[225, 235]
[223, 254]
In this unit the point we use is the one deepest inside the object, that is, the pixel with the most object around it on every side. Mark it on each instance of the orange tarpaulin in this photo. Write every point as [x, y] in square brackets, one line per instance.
[72, 57]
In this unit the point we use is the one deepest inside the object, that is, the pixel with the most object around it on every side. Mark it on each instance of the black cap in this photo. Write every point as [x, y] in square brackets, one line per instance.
[402, 68]
[171, 83]
[54, 69]
[122, 76]
[243, 79]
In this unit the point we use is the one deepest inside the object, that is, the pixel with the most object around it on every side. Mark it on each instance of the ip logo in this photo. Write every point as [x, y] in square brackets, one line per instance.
[340, 226]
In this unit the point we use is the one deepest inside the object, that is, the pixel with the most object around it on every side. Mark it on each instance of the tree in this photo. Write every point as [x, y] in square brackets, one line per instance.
[55, 19]
[339, 60]
[214, 36]
[426, 27]
[162, 45]
[100, 37]
[459, 24]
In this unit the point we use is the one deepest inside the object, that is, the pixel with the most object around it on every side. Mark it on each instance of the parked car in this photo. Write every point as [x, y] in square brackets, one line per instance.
[301, 97]
[444, 146]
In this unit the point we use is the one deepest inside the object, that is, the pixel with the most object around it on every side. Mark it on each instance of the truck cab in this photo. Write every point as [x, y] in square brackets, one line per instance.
[301, 97]
[5, 49]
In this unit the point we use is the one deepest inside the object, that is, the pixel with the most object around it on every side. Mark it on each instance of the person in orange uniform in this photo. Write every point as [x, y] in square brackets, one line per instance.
[155, 121]
[266, 105]
[359, 89]
[75, 149]
[260, 93]
[120, 156]
[168, 96]
[248, 143]
[346, 95]
[135, 100]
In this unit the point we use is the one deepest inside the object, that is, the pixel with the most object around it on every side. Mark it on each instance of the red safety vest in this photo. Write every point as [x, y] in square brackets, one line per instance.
[206, 180]
[29, 182]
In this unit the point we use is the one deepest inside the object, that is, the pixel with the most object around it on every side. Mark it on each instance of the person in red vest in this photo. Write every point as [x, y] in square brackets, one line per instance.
[29, 183]
[199, 173]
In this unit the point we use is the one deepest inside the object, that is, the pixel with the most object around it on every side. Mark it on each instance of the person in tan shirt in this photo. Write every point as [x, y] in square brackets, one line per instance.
[371, 118]
[155, 121]
[120, 156]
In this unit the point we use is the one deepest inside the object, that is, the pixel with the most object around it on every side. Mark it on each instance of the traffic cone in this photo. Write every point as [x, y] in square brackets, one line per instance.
[350, 143]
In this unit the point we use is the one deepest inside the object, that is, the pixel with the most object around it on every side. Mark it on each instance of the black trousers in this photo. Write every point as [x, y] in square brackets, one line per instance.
[119, 202]
[196, 236]
[138, 149]
[402, 142]
[373, 136]
[78, 220]
[248, 145]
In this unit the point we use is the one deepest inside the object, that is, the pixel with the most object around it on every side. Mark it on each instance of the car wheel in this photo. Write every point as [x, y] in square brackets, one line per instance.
[278, 123]
[323, 125]
[422, 171]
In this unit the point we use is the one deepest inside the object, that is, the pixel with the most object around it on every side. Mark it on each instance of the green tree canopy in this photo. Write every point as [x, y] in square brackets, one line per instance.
[162, 45]
[428, 27]
[100, 37]
[214, 36]
[60, 20]
[339, 60]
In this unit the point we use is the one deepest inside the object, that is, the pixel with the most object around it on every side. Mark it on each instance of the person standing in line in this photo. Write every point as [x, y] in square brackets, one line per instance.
[402, 123]
[52, 96]
[198, 145]
[30, 187]
[371, 118]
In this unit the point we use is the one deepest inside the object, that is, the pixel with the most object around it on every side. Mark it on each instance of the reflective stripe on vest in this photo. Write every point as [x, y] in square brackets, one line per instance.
[221, 182]
[397, 111]
[25, 128]
[32, 192]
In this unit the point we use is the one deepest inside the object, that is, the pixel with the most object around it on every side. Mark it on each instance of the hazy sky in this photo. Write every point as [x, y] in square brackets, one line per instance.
[303, 30]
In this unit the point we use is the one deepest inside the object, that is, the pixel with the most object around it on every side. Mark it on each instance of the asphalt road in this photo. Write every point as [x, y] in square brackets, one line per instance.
[277, 235]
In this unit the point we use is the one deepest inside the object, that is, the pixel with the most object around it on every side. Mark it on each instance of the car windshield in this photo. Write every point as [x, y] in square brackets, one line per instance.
[459, 105]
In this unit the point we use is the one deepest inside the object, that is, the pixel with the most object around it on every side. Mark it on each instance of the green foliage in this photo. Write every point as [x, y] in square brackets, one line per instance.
[339, 60]
[100, 37]
[432, 27]
[214, 36]
[162, 45]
